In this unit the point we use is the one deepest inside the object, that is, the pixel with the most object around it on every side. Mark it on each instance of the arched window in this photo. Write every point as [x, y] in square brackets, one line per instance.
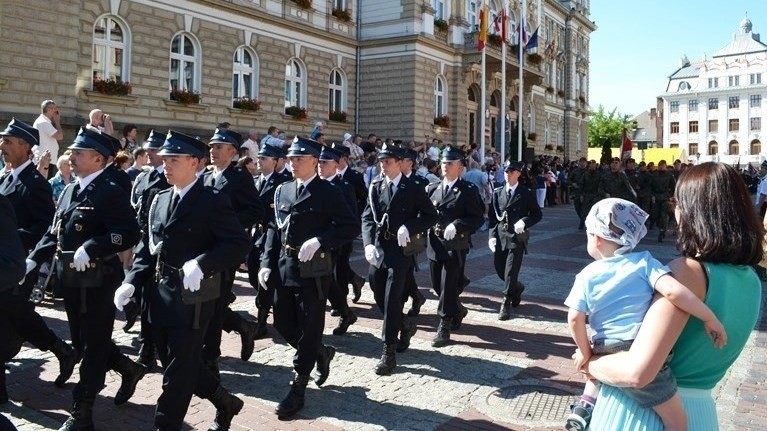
[733, 148]
[756, 147]
[337, 91]
[713, 148]
[295, 84]
[185, 63]
[440, 97]
[244, 73]
[111, 49]
[472, 94]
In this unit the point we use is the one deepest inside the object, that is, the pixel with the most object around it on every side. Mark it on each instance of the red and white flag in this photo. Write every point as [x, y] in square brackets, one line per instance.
[626, 146]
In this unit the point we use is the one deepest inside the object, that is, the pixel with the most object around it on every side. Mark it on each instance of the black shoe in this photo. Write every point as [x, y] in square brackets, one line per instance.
[294, 401]
[505, 312]
[247, 331]
[347, 319]
[516, 296]
[132, 311]
[443, 333]
[131, 372]
[357, 283]
[323, 364]
[81, 418]
[227, 407]
[406, 333]
[146, 356]
[263, 314]
[388, 360]
[67, 357]
[418, 301]
[455, 324]
[335, 312]
[579, 419]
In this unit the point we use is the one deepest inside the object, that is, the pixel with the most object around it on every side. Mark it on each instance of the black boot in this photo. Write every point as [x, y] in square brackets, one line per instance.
[227, 407]
[347, 319]
[67, 357]
[263, 314]
[247, 331]
[418, 301]
[388, 360]
[131, 372]
[505, 313]
[294, 401]
[132, 311]
[323, 364]
[443, 333]
[407, 330]
[81, 418]
[357, 283]
[146, 356]
[3, 390]
[457, 321]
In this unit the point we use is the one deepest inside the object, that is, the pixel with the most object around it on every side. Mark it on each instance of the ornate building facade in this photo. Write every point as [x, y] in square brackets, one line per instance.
[714, 109]
[392, 67]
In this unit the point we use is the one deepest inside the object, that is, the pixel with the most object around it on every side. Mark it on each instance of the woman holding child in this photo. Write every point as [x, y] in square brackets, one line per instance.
[720, 236]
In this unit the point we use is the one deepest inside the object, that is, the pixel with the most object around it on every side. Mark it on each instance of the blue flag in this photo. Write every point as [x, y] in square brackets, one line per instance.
[533, 42]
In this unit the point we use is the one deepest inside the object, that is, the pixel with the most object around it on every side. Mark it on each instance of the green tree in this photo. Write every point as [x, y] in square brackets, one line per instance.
[604, 126]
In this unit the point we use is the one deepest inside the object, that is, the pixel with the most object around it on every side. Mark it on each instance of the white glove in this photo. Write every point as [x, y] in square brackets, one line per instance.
[491, 244]
[371, 254]
[449, 232]
[31, 264]
[308, 248]
[519, 226]
[263, 277]
[403, 236]
[192, 275]
[81, 259]
[123, 295]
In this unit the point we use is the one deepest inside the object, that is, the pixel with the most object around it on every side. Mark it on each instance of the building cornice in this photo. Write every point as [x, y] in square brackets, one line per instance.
[716, 91]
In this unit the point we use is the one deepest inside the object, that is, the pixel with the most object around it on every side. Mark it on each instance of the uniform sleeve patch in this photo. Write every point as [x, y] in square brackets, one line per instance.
[117, 239]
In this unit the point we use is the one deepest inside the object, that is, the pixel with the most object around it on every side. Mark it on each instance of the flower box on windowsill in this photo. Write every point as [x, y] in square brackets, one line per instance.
[246, 114]
[197, 108]
[344, 15]
[100, 98]
[303, 4]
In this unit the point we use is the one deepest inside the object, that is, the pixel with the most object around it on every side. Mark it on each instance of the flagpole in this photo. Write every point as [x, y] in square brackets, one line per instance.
[504, 34]
[482, 110]
[520, 108]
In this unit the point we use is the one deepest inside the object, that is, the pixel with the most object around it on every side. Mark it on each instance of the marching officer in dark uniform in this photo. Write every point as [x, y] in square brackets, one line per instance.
[311, 220]
[193, 236]
[575, 180]
[145, 188]
[513, 211]
[93, 222]
[345, 273]
[663, 185]
[461, 213]
[409, 158]
[394, 226]
[29, 196]
[237, 184]
[12, 270]
[339, 286]
[616, 184]
[266, 184]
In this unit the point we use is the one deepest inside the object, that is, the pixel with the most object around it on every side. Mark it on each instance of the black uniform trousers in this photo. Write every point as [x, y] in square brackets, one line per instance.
[184, 373]
[90, 324]
[660, 211]
[344, 272]
[507, 265]
[299, 316]
[389, 293]
[446, 279]
[264, 297]
[223, 317]
[20, 314]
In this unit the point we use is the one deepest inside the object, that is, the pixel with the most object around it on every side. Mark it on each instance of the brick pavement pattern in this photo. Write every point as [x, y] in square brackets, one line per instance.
[513, 375]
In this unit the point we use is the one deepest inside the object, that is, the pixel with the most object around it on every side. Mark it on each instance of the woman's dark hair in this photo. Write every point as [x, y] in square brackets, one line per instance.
[717, 221]
[244, 161]
[127, 129]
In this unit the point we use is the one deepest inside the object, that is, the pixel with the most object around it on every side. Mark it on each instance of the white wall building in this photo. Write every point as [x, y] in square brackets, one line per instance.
[716, 109]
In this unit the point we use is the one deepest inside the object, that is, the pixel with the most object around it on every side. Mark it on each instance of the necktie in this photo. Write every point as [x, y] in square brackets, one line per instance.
[508, 194]
[174, 202]
[445, 190]
[76, 189]
[260, 184]
[300, 190]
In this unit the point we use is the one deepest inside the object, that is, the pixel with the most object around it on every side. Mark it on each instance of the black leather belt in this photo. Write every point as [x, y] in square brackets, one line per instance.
[290, 251]
[165, 270]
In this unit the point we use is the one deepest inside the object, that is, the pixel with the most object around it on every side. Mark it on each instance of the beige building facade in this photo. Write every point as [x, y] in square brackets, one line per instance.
[389, 67]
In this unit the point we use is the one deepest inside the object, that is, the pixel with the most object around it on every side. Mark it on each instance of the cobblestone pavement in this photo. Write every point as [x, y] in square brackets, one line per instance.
[494, 376]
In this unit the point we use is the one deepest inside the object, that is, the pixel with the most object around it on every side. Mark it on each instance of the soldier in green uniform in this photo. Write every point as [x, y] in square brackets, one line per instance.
[644, 192]
[615, 183]
[589, 186]
[663, 186]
